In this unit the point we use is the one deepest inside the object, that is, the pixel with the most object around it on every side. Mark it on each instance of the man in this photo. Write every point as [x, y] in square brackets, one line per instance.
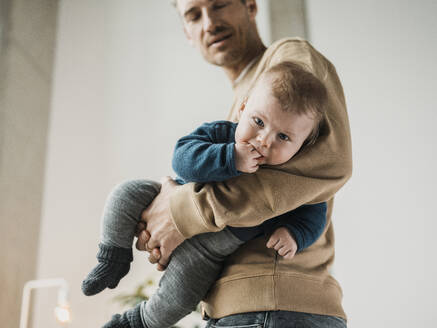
[257, 286]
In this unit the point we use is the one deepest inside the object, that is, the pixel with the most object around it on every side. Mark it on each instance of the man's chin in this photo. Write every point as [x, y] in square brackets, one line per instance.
[217, 59]
[222, 58]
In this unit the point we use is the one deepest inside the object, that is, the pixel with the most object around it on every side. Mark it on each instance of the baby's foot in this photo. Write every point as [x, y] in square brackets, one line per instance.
[114, 264]
[129, 319]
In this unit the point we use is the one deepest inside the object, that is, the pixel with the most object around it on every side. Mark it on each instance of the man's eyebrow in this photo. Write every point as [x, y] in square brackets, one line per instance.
[191, 8]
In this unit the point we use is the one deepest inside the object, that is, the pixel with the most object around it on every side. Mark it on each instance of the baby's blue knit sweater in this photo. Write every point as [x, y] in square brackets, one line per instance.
[207, 155]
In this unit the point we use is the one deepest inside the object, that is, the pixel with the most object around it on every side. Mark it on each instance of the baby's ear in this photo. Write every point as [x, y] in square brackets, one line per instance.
[241, 109]
[243, 105]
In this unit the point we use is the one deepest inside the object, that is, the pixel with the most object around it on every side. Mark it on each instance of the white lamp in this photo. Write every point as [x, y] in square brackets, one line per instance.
[62, 311]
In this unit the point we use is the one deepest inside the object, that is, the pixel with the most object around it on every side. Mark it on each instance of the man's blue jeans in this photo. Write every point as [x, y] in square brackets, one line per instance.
[277, 319]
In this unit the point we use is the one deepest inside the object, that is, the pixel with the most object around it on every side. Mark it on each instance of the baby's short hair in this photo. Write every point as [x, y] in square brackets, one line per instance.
[298, 90]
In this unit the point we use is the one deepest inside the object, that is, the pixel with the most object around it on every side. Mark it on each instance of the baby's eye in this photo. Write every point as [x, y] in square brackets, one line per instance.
[258, 121]
[283, 137]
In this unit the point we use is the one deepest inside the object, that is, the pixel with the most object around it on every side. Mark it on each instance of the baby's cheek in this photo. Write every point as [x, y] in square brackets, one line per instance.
[285, 155]
[275, 158]
[241, 138]
[238, 136]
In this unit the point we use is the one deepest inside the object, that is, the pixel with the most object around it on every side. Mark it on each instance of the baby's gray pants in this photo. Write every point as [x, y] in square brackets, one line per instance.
[194, 265]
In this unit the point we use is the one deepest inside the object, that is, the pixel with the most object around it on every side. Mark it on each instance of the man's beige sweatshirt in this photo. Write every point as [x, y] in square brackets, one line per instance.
[255, 278]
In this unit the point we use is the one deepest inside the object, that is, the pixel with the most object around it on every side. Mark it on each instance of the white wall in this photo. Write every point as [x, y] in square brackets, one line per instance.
[385, 53]
[27, 44]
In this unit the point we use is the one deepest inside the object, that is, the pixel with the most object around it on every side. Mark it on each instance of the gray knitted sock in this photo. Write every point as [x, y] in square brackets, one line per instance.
[129, 319]
[114, 264]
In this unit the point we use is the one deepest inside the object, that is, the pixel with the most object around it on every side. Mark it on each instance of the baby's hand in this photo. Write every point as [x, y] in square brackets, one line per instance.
[283, 242]
[246, 158]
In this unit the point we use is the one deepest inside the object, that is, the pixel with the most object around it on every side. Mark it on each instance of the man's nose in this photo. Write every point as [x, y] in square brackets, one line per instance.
[210, 21]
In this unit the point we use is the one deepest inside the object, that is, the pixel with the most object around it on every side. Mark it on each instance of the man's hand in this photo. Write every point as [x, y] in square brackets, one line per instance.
[247, 159]
[159, 235]
[283, 242]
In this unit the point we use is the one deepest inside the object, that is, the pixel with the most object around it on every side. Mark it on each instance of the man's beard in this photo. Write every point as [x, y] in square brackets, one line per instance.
[226, 59]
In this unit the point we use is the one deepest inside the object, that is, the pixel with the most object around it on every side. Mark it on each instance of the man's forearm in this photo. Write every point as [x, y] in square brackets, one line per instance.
[247, 200]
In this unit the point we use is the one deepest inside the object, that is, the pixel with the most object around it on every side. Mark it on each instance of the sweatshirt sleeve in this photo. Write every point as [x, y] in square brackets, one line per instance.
[312, 176]
[206, 154]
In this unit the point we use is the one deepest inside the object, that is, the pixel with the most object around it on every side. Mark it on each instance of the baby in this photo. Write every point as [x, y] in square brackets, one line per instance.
[282, 113]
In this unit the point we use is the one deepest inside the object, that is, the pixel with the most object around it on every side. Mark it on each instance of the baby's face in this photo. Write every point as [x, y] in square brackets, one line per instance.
[274, 133]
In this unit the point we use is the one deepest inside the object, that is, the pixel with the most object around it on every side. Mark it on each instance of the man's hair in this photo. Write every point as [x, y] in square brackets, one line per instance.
[299, 91]
[175, 2]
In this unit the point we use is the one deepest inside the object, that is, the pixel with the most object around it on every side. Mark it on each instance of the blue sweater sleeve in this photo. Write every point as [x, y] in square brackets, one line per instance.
[306, 223]
[206, 154]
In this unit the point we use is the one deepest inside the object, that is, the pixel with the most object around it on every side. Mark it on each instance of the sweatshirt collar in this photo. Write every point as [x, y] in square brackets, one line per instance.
[244, 71]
